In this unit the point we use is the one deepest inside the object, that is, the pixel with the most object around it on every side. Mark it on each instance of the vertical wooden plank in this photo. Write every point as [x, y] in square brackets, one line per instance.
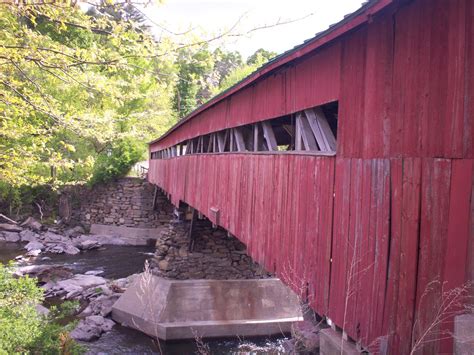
[391, 298]
[284, 172]
[438, 77]
[313, 230]
[351, 105]
[302, 265]
[364, 307]
[329, 167]
[378, 242]
[353, 269]
[436, 174]
[468, 137]
[408, 251]
[270, 209]
[339, 242]
[378, 83]
[456, 264]
[456, 54]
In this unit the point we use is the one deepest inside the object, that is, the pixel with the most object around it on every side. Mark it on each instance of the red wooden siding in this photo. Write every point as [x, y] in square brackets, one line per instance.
[366, 233]
[282, 207]
[404, 84]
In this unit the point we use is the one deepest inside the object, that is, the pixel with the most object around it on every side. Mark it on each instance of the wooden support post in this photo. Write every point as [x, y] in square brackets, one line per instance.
[221, 141]
[248, 139]
[209, 144]
[320, 127]
[200, 145]
[298, 139]
[155, 197]
[191, 236]
[255, 137]
[306, 133]
[269, 136]
[231, 140]
[239, 140]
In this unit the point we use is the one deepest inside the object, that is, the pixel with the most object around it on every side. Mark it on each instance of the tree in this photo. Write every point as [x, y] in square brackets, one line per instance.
[260, 57]
[195, 82]
[255, 61]
[71, 85]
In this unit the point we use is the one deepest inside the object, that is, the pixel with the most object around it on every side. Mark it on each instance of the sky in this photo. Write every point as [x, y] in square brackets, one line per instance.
[212, 17]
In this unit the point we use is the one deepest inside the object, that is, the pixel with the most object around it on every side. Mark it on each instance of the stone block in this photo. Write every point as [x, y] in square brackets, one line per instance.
[331, 343]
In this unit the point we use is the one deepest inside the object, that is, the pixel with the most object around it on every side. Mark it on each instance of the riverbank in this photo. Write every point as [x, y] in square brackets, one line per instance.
[105, 265]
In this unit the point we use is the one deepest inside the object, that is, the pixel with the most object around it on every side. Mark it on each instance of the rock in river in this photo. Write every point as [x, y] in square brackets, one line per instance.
[89, 244]
[10, 227]
[32, 224]
[34, 246]
[73, 288]
[91, 328]
[29, 236]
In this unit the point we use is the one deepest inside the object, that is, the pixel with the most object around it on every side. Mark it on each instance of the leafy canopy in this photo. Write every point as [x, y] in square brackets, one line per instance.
[72, 85]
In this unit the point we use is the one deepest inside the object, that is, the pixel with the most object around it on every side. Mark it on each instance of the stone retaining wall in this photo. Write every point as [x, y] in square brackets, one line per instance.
[126, 202]
[215, 256]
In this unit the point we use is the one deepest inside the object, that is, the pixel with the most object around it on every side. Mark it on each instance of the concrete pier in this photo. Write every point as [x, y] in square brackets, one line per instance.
[170, 309]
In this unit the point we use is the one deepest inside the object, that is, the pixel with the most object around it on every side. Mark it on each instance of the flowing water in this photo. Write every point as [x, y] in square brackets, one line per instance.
[117, 262]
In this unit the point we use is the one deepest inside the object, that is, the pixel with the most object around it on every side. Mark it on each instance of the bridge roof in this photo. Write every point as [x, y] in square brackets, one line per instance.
[334, 31]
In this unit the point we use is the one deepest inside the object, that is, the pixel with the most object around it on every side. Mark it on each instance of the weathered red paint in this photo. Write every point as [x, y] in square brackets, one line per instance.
[365, 233]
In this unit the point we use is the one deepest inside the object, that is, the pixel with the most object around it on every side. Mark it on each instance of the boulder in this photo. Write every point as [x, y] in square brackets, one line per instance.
[50, 237]
[28, 236]
[71, 249]
[101, 305]
[74, 232]
[93, 293]
[62, 248]
[55, 248]
[74, 287]
[12, 237]
[45, 273]
[34, 253]
[35, 246]
[121, 285]
[91, 328]
[32, 224]
[89, 244]
[9, 227]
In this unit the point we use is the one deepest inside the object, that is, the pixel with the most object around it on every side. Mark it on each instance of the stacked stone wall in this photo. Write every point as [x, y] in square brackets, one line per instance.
[126, 202]
[215, 255]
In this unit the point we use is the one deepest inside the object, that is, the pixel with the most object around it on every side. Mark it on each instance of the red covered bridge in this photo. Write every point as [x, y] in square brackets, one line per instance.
[346, 167]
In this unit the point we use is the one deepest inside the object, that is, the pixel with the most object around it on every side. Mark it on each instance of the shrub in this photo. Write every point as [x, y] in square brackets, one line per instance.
[118, 160]
[23, 329]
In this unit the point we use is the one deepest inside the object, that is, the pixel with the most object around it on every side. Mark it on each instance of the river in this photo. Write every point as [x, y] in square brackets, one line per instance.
[121, 261]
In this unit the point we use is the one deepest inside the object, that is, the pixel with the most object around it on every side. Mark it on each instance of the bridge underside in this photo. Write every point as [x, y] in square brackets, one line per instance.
[360, 239]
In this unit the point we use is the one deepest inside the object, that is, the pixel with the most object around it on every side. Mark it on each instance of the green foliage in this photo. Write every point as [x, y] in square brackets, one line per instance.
[255, 61]
[23, 330]
[82, 92]
[71, 84]
[260, 57]
[193, 86]
[118, 160]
